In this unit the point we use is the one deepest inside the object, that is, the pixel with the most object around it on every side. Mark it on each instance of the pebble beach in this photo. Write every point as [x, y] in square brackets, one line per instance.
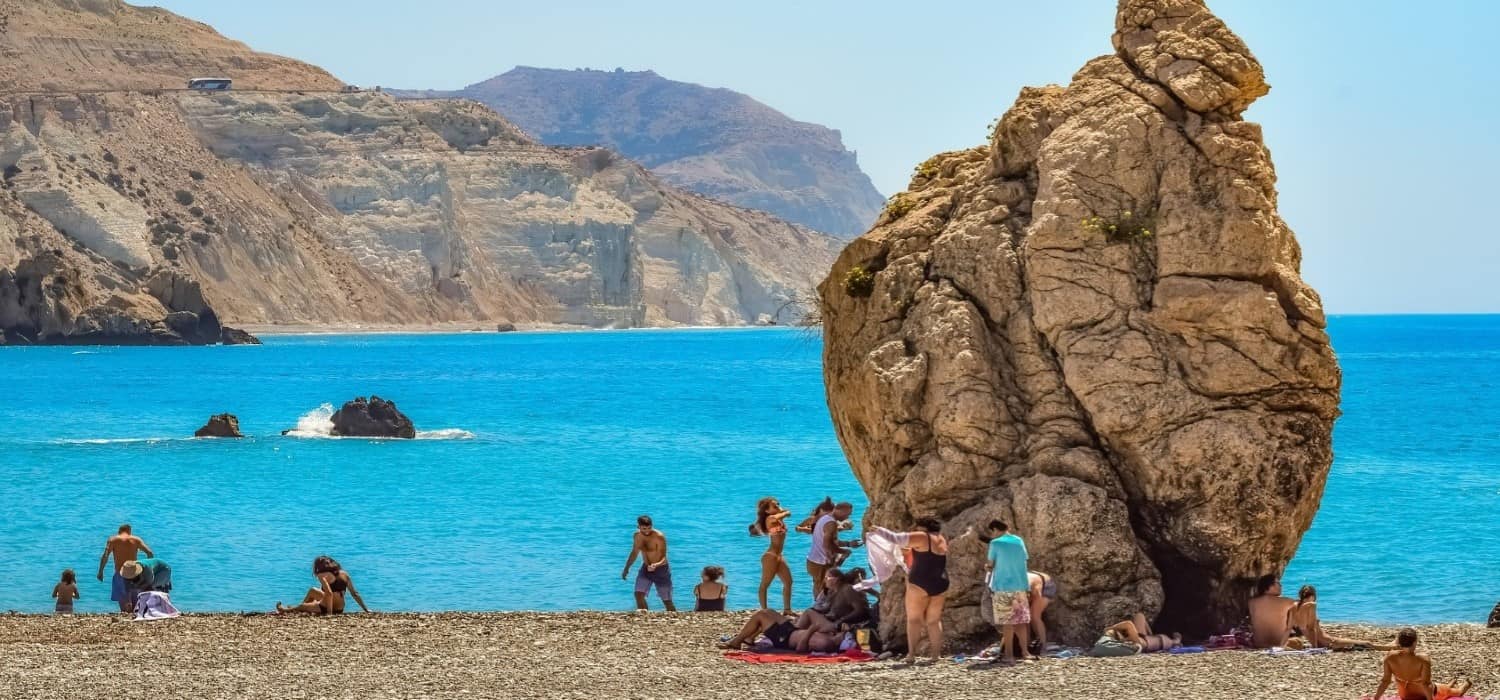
[621, 655]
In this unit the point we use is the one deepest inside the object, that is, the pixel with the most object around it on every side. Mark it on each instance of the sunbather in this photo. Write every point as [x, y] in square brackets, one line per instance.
[1412, 673]
[328, 597]
[1133, 636]
[783, 634]
[1303, 620]
[1268, 614]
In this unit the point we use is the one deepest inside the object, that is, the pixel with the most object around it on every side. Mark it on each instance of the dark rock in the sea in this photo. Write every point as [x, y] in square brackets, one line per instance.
[505, 327]
[235, 336]
[1495, 616]
[223, 425]
[373, 418]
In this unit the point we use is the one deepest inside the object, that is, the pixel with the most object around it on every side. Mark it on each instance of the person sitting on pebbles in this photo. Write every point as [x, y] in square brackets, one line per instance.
[1303, 620]
[142, 575]
[328, 597]
[1412, 673]
[1131, 637]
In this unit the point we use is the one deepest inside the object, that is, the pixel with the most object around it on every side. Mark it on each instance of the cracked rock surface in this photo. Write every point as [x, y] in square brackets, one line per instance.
[1094, 328]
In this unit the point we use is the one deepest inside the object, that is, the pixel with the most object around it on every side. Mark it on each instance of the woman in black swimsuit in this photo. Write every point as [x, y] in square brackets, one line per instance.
[328, 597]
[927, 587]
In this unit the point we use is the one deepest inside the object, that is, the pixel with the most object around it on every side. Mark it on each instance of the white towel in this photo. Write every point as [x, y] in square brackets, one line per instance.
[154, 605]
[883, 551]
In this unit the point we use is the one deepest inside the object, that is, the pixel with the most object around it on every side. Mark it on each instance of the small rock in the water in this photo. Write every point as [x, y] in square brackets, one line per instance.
[373, 418]
[224, 425]
[505, 327]
[235, 336]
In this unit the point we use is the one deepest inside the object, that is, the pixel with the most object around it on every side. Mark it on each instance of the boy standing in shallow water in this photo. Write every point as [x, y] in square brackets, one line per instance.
[66, 591]
[651, 545]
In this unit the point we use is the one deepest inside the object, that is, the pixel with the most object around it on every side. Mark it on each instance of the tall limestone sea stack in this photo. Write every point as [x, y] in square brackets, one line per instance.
[1094, 328]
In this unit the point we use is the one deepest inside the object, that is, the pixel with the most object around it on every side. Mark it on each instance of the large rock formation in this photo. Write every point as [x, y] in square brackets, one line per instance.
[131, 214]
[376, 417]
[716, 142]
[1093, 328]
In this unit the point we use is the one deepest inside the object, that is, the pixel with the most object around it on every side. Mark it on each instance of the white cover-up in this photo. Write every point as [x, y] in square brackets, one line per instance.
[883, 551]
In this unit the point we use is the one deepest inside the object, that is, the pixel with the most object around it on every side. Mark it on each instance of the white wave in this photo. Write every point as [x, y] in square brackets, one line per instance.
[84, 352]
[445, 434]
[317, 423]
[114, 441]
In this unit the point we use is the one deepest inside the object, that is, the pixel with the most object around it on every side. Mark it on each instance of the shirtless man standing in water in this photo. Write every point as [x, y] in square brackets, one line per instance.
[1268, 613]
[651, 545]
[123, 547]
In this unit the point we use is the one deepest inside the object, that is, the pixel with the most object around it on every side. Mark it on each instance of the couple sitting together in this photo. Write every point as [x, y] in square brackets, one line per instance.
[1293, 624]
[822, 628]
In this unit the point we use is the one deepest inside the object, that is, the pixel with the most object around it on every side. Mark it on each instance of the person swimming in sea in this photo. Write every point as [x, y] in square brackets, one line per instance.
[770, 522]
[328, 597]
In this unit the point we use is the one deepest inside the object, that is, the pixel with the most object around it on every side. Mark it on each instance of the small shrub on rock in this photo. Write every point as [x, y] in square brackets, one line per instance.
[196, 175]
[859, 282]
[1126, 227]
[900, 205]
[184, 197]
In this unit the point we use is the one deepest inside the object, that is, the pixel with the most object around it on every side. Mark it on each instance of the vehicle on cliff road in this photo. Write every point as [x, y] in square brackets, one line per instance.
[210, 84]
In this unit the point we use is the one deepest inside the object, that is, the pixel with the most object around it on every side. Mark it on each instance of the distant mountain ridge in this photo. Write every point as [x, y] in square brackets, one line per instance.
[714, 141]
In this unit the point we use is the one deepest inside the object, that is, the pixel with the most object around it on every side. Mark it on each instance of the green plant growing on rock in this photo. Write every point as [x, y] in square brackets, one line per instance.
[900, 205]
[859, 282]
[927, 168]
[1126, 227]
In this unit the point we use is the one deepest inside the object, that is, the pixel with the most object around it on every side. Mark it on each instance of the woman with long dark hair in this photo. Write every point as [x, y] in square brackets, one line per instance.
[328, 597]
[770, 521]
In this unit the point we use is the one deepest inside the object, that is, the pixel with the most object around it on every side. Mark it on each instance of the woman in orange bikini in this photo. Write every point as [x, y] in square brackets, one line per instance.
[1413, 673]
[770, 522]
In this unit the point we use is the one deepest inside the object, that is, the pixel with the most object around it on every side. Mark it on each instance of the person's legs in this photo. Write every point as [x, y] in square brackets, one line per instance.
[1007, 634]
[119, 592]
[933, 617]
[1142, 627]
[813, 620]
[816, 571]
[1038, 627]
[642, 587]
[916, 626]
[785, 572]
[767, 574]
[761, 621]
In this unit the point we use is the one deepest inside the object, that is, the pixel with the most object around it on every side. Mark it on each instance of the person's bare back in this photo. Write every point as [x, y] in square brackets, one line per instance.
[125, 548]
[1268, 614]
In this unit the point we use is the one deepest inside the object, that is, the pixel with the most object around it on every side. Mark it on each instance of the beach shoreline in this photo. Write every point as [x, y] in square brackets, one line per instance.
[301, 329]
[626, 655]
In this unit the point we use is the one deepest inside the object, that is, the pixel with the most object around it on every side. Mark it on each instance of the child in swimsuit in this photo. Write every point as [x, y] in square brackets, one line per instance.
[66, 591]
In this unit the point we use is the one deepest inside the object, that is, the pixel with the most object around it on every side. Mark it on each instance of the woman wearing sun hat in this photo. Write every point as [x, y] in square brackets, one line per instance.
[149, 574]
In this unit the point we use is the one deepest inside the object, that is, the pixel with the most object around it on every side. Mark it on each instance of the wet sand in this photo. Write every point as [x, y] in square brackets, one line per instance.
[611, 655]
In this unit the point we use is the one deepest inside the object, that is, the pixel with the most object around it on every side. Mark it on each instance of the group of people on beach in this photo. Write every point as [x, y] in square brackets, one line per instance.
[843, 617]
[142, 585]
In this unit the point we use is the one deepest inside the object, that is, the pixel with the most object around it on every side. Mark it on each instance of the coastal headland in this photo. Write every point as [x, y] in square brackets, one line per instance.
[618, 655]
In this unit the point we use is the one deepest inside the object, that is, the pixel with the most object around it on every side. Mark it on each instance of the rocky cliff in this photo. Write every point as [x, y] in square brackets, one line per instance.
[716, 142]
[293, 205]
[1094, 328]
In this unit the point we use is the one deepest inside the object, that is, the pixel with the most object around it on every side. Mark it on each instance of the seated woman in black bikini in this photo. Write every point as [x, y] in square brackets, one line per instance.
[328, 597]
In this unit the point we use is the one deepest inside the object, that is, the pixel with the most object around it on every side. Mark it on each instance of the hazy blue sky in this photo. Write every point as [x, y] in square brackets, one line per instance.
[1382, 116]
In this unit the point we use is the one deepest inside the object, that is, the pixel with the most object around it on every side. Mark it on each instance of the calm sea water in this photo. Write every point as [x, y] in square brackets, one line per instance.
[540, 449]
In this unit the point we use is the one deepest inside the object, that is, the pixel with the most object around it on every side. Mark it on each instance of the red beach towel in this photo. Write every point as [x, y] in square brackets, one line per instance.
[751, 657]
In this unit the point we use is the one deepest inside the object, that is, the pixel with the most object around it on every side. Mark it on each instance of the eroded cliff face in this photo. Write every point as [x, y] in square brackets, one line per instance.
[1094, 329]
[320, 207]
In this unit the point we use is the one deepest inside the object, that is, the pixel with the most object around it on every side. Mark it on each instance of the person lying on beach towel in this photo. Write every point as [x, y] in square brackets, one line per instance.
[1304, 624]
[781, 631]
[1131, 637]
[328, 597]
[1412, 673]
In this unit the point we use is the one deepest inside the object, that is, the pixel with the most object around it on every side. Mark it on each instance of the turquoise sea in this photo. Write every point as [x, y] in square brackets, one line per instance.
[539, 450]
